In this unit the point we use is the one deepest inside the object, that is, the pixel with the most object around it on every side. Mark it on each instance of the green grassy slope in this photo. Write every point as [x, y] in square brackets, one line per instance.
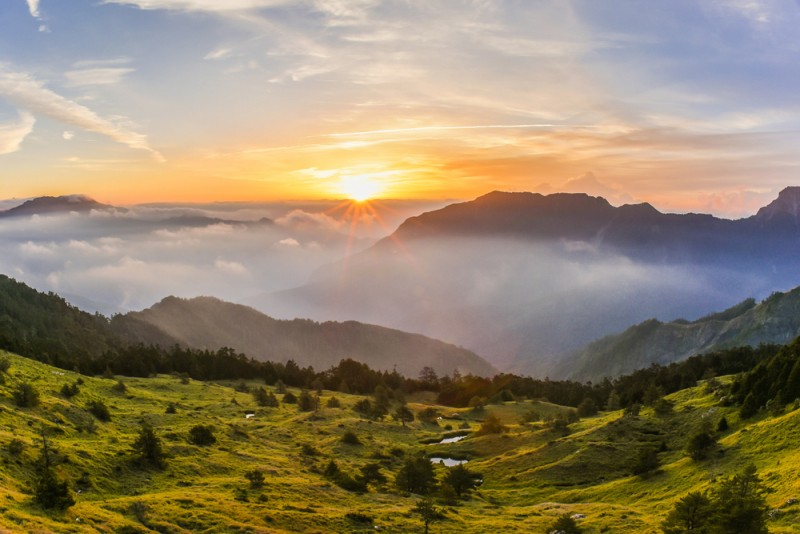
[532, 473]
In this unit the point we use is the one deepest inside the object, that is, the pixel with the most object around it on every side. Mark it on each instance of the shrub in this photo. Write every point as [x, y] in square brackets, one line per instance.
[202, 435]
[309, 450]
[50, 492]
[16, 446]
[491, 425]
[171, 408]
[350, 438]
[256, 479]
[646, 461]
[700, 445]
[5, 364]
[307, 402]
[26, 396]
[722, 426]
[264, 398]
[565, 525]
[333, 402]
[372, 473]
[69, 390]
[99, 409]
[119, 387]
[359, 519]
[289, 398]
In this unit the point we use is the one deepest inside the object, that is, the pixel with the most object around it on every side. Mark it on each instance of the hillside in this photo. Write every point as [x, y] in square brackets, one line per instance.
[209, 323]
[45, 327]
[774, 320]
[531, 474]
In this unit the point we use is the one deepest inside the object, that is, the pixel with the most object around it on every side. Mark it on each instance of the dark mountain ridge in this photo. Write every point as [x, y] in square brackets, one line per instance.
[636, 230]
[60, 204]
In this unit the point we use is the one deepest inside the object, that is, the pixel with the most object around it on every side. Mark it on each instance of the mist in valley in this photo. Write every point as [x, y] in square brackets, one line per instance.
[519, 303]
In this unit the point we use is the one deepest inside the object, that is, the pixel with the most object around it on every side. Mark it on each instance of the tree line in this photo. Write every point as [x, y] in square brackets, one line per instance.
[46, 328]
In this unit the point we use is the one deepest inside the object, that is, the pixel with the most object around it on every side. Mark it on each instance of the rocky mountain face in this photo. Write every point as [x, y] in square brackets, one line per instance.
[209, 323]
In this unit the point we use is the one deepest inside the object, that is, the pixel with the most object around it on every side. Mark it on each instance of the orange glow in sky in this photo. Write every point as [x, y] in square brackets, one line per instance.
[196, 100]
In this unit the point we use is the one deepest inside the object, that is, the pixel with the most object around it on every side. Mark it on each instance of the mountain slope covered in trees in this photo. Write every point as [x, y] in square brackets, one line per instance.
[46, 327]
[774, 320]
[209, 323]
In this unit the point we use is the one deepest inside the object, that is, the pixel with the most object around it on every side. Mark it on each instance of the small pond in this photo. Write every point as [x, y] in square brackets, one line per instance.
[449, 462]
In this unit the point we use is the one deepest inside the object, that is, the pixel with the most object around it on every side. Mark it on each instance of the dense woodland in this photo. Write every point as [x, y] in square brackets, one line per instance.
[45, 327]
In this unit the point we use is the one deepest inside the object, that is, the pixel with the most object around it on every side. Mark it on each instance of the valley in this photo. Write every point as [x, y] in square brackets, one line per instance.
[532, 472]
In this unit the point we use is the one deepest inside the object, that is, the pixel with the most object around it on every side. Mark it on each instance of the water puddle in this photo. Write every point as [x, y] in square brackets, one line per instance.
[449, 462]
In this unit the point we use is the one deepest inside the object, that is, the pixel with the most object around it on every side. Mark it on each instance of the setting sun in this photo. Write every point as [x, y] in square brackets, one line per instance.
[360, 187]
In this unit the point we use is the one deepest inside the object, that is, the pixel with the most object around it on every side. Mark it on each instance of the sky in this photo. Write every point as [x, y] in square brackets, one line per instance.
[690, 105]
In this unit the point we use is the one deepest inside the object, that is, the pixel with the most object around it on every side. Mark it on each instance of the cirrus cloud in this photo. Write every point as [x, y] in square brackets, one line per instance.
[25, 91]
[12, 134]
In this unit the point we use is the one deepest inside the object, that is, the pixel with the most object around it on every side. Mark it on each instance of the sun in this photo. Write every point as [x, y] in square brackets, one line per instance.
[360, 187]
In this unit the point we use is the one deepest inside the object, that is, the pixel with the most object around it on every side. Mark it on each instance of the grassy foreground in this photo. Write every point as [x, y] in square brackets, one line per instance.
[532, 473]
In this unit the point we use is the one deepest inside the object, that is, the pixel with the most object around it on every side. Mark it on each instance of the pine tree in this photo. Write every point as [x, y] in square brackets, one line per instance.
[148, 446]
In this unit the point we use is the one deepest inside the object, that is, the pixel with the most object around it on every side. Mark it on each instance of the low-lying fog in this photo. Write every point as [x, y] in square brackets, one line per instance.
[115, 261]
[512, 301]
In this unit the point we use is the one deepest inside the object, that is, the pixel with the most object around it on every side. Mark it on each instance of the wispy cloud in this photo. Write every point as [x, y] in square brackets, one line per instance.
[219, 53]
[12, 134]
[441, 128]
[199, 5]
[33, 7]
[30, 94]
[98, 76]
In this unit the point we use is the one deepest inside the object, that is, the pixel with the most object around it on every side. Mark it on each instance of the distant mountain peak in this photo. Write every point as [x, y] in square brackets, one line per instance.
[787, 205]
[59, 204]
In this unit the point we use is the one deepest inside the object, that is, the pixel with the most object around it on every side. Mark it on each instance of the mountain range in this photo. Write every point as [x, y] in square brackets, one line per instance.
[526, 279]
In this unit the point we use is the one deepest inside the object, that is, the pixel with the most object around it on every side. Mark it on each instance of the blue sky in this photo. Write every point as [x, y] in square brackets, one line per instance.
[691, 105]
